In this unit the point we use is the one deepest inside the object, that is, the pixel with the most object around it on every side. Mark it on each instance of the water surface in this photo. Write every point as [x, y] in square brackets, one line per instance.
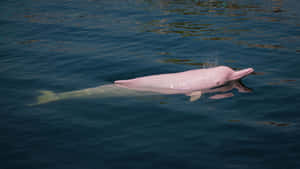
[70, 45]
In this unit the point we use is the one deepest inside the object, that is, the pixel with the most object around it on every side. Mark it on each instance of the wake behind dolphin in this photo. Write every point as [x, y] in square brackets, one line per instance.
[192, 83]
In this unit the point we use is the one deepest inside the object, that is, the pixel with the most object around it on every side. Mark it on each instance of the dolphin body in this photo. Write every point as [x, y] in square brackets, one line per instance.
[192, 83]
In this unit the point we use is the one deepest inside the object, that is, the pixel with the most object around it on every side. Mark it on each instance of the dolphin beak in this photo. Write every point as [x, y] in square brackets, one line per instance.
[241, 73]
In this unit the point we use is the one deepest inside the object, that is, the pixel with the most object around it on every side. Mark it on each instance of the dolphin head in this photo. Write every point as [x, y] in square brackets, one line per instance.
[224, 74]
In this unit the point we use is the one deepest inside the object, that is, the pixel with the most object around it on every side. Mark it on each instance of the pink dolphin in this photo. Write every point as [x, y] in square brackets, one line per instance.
[191, 83]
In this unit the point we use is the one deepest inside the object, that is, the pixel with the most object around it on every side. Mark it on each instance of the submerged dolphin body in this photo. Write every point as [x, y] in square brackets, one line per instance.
[103, 91]
[192, 83]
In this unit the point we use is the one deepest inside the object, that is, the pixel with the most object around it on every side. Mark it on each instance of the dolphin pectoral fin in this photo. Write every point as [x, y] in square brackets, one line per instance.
[195, 96]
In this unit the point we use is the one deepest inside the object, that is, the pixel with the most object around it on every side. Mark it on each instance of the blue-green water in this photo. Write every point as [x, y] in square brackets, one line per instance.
[65, 45]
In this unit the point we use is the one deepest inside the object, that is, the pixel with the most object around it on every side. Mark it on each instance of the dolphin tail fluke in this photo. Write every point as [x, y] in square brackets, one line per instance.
[45, 97]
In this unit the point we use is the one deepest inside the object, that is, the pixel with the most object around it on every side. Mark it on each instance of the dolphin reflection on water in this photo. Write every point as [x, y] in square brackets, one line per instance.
[220, 80]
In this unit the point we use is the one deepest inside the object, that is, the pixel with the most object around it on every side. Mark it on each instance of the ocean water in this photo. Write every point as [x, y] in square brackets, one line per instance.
[70, 45]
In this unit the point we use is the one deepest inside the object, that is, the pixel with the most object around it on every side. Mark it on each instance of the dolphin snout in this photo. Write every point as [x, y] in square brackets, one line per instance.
[242, 73]
[247, 71]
